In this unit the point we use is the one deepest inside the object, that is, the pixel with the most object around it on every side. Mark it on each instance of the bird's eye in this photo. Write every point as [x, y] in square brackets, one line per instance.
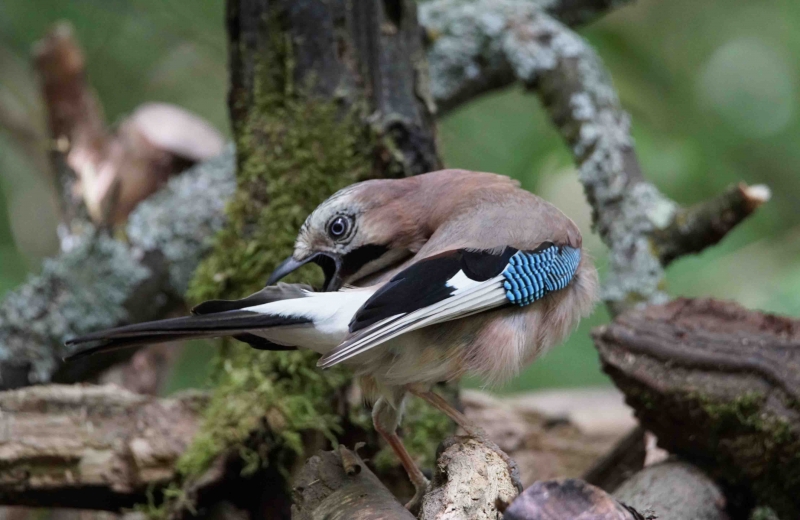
[338, 227]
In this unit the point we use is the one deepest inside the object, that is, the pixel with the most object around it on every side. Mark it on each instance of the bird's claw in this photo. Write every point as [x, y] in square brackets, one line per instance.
[415, 503]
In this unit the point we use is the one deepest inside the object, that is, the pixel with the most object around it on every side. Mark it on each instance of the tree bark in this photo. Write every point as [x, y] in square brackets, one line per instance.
[673, 491]
[719, 386]
[338, 486]
[90, 447]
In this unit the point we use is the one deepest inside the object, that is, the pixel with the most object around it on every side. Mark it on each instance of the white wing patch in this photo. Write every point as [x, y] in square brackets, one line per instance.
[469, 297]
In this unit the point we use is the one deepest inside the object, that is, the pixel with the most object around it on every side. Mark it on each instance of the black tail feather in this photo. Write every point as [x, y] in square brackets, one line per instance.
[229, 323]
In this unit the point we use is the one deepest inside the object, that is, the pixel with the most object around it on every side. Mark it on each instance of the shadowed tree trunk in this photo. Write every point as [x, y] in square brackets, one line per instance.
[323, 94]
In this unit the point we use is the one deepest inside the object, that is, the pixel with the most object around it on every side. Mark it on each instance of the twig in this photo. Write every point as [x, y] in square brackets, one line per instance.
[697, 227]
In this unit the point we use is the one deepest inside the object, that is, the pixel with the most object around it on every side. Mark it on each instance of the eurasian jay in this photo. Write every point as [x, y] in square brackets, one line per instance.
[427, 278]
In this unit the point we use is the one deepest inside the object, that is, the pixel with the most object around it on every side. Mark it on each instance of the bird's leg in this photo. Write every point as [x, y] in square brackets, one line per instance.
[386, 417]
[441, 404]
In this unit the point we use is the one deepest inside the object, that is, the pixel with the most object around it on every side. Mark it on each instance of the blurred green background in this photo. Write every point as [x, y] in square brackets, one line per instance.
[712, 88]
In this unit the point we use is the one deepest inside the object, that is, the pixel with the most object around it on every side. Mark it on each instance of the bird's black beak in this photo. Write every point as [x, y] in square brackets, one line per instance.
[331, 265]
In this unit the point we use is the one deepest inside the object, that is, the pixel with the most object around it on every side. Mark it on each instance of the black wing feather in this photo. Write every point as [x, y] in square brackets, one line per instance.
[425, 283]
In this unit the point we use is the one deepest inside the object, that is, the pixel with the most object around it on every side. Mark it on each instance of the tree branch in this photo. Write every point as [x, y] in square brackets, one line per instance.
[102, 281]
[699, 226]
[467, 55]
[89, 447]
[474, 43]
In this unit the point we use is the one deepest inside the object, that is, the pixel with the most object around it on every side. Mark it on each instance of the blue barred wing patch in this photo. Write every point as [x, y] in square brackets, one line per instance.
[531, 275]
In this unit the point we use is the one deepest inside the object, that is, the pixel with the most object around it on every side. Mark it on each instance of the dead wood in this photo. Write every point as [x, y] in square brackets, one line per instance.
[718, 385]
[89, 447]
[674, 491]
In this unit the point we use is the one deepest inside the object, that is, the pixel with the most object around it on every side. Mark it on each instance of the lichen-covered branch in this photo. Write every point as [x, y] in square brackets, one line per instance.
[718, 385]
[474, 40]
[89, 447]
[103, 281]
[467, 50]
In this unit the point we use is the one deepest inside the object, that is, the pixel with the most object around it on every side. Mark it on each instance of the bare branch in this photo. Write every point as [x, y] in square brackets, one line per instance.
[102, 281]
[694, 228]
[100, 172]
[89, 447]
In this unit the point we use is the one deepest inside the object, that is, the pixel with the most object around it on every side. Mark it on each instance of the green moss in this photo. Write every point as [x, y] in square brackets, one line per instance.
[294, 150]
[763, 513]
[761, 450]
[294, 153]
[283, 391]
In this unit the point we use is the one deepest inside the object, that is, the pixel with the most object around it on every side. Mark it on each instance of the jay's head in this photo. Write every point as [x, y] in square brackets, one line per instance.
[358, 231]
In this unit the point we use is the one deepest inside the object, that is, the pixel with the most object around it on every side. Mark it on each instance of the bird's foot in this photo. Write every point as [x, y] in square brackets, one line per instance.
[415, 503]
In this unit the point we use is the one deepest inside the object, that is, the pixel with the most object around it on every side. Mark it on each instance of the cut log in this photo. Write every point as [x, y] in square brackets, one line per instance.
[337, 486]
[674, 491]
[719, 385]
[89, 447]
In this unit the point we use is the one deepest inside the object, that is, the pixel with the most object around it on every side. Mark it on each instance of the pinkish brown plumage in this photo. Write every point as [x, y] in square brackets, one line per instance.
[447, 273]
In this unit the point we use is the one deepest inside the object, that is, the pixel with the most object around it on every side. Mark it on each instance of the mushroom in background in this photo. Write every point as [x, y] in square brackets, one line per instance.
[111, 171]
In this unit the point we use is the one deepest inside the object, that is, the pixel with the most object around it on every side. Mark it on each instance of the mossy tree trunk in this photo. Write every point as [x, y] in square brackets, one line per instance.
[323, 94]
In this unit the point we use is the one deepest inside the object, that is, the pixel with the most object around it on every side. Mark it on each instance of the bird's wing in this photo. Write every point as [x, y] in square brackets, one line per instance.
[453, 285]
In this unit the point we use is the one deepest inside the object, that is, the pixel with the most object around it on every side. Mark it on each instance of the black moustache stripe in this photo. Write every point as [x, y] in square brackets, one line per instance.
[358, 258]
